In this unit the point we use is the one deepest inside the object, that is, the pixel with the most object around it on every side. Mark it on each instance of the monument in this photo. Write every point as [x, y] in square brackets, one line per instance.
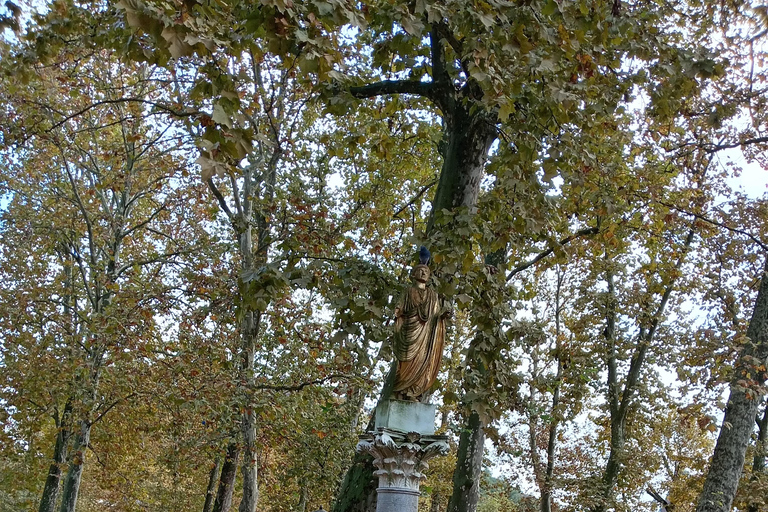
[404, 439]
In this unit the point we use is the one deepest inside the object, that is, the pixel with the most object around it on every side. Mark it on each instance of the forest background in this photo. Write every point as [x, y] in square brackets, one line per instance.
[211, 206]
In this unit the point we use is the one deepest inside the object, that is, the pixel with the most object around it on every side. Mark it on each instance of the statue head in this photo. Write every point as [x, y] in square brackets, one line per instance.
[420, 273]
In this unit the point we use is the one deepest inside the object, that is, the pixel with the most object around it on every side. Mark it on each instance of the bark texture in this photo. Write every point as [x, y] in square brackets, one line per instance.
[52, 481]
[758, 462]
[227, 480]
[739, 420]
[210, 493]
[75, 472]
[469, 465]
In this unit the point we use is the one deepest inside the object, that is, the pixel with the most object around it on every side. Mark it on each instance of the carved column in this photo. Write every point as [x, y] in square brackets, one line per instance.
[401, 460]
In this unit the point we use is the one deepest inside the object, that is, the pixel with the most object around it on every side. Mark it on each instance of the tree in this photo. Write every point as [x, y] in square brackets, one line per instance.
[106, 226]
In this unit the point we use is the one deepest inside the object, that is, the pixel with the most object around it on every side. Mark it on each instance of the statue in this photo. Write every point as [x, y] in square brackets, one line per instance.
[420, 317]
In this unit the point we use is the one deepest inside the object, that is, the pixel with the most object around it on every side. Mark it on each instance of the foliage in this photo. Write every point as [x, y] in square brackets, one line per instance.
[602, 268]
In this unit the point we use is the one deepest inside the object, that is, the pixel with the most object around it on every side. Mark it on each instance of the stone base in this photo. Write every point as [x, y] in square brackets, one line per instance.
[404, 416]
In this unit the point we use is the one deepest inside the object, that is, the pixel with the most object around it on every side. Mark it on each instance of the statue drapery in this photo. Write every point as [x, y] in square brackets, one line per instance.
[419, 337]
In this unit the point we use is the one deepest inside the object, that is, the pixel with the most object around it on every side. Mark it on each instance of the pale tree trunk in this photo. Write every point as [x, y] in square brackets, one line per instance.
[249, 331]
[302, 505]
[51, 489]
[546, 489]
[740, 413]
[434, 504]
[223, 500]
[210, 493]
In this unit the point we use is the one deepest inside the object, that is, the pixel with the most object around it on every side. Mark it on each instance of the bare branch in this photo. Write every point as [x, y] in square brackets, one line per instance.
[220, 198]
[544, 254]
[299, 387]
[415, 198]
[109, 408]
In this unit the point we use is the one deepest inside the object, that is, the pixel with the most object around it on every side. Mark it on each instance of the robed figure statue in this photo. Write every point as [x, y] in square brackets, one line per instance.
[420, 318]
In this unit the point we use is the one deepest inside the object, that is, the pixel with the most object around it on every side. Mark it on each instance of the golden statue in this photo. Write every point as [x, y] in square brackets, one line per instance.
[419, 335]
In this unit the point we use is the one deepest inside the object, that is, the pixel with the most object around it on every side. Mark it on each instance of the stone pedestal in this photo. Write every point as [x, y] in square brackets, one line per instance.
[400, 452]
[404, 416]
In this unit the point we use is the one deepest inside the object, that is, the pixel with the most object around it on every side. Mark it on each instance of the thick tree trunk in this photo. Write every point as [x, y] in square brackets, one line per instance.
[75, 472]
[739, 420]
[469, 466]
[227, 480]
[469, 137]
[758, 462]
[470, 130]
[51, 489]
[210, 493]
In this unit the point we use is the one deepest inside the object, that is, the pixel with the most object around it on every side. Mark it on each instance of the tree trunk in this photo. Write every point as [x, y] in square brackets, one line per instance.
[619, 400]
[758, 462]
[227, 480]
[210, 494]
[249, 468]
[51, 489]
[75, 472]
[434, 504]
[739, 420]
[546, 491]
[302, 505]
[469, 137]
[469, 466]
[470, 130]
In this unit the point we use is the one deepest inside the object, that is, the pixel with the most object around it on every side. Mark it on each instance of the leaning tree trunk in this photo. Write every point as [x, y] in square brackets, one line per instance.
[739, 420]
[51, 489]
[227, 480]
[75, 472]
[210, 493]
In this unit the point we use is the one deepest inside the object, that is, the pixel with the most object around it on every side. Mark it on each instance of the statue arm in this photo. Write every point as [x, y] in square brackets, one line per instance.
[446, 309]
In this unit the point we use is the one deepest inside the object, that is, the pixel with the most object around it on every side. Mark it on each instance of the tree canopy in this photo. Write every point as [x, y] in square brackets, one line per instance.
[208, 210]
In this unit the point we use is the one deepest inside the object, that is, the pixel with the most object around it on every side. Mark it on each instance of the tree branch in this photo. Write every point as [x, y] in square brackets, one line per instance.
[220, 198]
[82, 111]
[415, 198]
[425, 89]
[723, 225]
[544, 254]
[105, 411]
[299, 387]
[666, 505]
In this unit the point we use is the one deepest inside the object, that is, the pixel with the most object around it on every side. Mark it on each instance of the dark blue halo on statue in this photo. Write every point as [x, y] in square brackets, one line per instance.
[424, 255]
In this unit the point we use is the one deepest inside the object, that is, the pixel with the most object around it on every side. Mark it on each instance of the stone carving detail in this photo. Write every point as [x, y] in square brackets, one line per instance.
[401, 460]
